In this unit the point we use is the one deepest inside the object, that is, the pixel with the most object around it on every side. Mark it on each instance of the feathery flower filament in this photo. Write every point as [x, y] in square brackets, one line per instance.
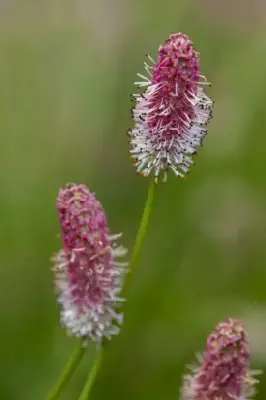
[172, 113]
[88, 277]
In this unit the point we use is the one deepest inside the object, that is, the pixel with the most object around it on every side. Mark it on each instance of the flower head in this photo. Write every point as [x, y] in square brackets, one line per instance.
[88, 279]
[224, 372]
[172, 113]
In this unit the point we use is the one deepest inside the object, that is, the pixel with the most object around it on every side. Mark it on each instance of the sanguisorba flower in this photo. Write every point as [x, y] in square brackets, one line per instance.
[172, 112]
[223, 373]
[88, 278]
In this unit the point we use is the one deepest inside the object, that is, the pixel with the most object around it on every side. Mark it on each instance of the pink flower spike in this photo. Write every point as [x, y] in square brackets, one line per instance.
[172, 113]
[88, 279]
[224, 372]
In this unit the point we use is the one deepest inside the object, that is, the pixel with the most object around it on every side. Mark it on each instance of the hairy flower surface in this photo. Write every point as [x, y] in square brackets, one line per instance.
[224, 372]
[172, 113]
[88, 278]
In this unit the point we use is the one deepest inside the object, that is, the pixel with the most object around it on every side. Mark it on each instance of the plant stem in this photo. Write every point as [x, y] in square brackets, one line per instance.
[70, 367]
[135, 254]
[92, 376]
[141, 232]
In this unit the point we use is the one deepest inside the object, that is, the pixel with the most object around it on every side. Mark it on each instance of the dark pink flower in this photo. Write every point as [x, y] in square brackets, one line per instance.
[88, 278]
[172, 113]
[224, 372]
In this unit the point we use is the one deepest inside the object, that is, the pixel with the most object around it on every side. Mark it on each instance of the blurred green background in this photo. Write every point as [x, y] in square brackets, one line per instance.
[66, 71]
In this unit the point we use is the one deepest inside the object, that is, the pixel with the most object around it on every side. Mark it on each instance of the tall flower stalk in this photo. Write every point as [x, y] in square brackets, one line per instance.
[170, 119]
[134, 259]
[87, 274]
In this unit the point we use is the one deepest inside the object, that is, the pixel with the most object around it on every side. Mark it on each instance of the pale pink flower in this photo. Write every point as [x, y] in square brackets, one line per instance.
[88, 278]
[172, 113]
[224, 371]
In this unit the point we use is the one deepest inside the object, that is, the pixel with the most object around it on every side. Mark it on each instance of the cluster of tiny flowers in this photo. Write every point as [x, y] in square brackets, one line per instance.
[88, 278]
[171, 114]
[223, 372]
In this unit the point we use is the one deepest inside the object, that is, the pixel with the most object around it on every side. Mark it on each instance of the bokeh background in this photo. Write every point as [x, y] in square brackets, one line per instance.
[66, 71]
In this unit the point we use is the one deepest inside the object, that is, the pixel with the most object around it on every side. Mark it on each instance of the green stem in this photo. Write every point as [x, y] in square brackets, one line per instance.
[141, 232]
[67, 372]
[136, 251]
[92, 376]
